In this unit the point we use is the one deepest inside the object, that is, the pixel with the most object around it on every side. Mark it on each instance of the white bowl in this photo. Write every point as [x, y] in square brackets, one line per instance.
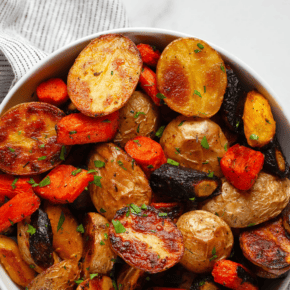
[59, 63]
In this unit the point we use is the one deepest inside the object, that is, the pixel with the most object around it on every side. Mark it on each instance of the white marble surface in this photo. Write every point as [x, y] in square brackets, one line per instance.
[256, 31]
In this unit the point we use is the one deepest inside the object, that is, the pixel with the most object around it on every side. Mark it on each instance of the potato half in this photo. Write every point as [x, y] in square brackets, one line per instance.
[192, 77]
[104, 75]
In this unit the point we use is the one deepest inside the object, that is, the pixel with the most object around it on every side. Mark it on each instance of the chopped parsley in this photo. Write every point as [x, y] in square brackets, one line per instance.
[213, 252]
[31, 230]
[80, 229]
[181, 123]
[135, 209]
[72, 132]
[204, 143]
[138, 128]
[41, 158]
[97, 181]
[11, 149]
[31, 266]
[106, 121]
[192, 198]
[41, 146]
[79, 281]
[197, 93]
[205, 162]
[150, 166]
[62, 153]
[112, 73]
[106, 236]
[99, 163]
[172, 162]
[254, 137]
[223, 68]
[161, 214]
[102, 210]
[204, 89]
[91, 171]
[226, 147]
[75, 172]
[160, 132]
[197, 50]
[251, 224]
[200, 46]
[210, 174]
[44, 182]
[138, 114]
[237, 124]
[60, 221]
[144, 206]
[102, 243]
[121, 164]
[92, 276]
[13, 183]
[119, 228]
[160, 96]
[177, 150]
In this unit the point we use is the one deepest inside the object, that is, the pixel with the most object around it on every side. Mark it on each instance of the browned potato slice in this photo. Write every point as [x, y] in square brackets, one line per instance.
[145, 124]
[239, 209]
[286, 218]
[190, 136]
[259, 124]
[104, 75]
[267, 246]
[99, 282]
[146, 239]
[122, 180]
[63, 243]
[28, 139]
[130, 278]
[192, 77]
[207, 239]
[16, 268]
[97, 256]
[57, 277]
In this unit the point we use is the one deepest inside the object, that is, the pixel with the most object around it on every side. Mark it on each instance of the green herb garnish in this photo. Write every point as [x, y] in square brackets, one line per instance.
[160, 96]
[99, 163]
[80, 229]
[119, 228]
[13, 183]
[41, 158]
[77, 171]
[172, 162]
[138, 114]
[197, 93]
[160, 132]
[204, 143]
[62, 153]
[60, 221]
[254, 137]
[31, 230]
[44, 182]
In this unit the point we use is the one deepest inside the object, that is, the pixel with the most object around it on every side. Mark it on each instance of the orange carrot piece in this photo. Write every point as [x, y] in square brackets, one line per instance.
[147, 153]
[80, 129]
[241, 165]
[18, 208]
[64, 184]
[233, 275]
[52, 91]
[150, 55]
[148, 84]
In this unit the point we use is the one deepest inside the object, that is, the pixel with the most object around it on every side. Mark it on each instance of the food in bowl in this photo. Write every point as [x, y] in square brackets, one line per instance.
[126, 219]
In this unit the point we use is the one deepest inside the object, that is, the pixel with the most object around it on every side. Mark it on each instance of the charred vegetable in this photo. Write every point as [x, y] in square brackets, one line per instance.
[233, 103]
[183, 183]
[40, 243]
[146, 238]
[286, 218]
[204, 282]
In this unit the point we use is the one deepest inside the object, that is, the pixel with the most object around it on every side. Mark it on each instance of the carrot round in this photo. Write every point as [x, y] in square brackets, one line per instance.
[147, 153]
[80, 129]
[233, 275]
[150, 55]
[52, 91]
[148, 84]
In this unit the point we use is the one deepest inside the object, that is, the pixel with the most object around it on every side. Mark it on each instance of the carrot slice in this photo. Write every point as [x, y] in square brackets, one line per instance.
[80, 129]
[52, 91]
[233, 275]
[63, 184]
[150, 55]
[148, 84]
[147, 153]
[18, 208]
[241, 165]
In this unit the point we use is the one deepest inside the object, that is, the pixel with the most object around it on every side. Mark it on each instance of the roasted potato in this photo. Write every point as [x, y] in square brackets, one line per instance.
[239, 209]
[122, 180]
[57, 277]
[286, 218]
[207, 239]
[63, 243]
[132, 120]
[192, 77]
[11, 259]
[204, 282]
[259, 124]
[104, 75]
[199, 143]
[130, 278]
[97, 256]
[99, 282]
[267, 246]
[28, 139]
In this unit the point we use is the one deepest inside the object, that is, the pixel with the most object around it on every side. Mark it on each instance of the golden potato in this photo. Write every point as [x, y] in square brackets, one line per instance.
[122, 180]
[104, 75]
[190, 136]
[207, 239]
[145, 124]
[192, 77]
[259, 124]
[97, 253]
[239, 209]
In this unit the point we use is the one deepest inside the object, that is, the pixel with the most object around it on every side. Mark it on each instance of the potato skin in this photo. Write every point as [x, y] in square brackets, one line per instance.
[182, 71]
[104, 75]
[239, 209]
[97, 255]
[187, 136]
[130, 278]
[202, 233]
[119, 186]
[63, 243]
[147, 124]
[57, 277]
[11, 259]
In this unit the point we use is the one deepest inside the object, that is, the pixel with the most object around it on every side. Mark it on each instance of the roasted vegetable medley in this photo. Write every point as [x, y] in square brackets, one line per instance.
[145, 169]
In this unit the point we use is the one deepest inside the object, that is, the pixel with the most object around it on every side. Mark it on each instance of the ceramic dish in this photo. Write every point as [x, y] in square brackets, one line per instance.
[59, 63]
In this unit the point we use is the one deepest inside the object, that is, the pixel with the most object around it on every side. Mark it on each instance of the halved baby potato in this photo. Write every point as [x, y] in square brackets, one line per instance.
[104, 75]
[28, 139]
[192, 77]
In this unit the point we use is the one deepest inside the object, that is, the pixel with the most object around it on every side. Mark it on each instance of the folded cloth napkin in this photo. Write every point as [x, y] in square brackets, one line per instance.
[31, 29]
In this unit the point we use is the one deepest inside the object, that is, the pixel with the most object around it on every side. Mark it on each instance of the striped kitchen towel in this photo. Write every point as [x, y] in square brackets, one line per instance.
[31, 29]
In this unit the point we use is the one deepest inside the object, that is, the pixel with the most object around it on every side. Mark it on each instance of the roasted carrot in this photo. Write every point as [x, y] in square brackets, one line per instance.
[18, 208]
[52, 91]
[63, 184]
[148, 84]
[233, 275]
[241, 165]
[80, 129]
[147, 153]
[150, 55]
